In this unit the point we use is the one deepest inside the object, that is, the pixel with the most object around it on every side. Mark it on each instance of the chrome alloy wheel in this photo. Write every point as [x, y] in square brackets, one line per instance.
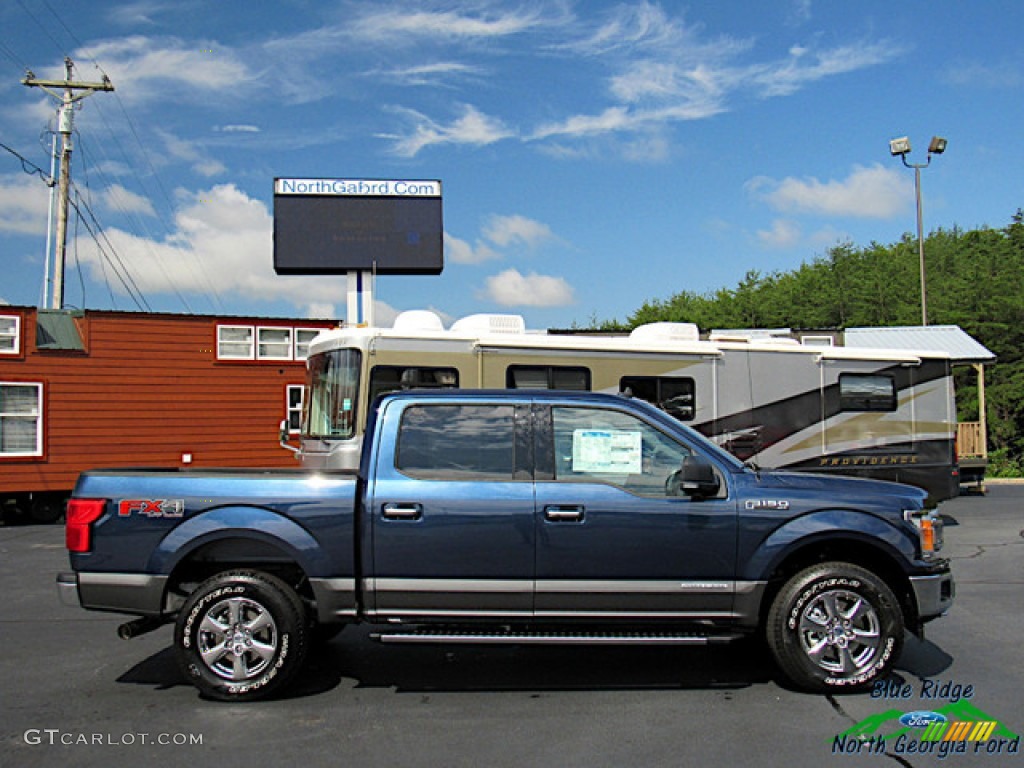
[237, 639]
[840, 632]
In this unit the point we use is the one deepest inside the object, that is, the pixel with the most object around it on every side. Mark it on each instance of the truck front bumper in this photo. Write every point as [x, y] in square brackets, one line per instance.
[934, 592]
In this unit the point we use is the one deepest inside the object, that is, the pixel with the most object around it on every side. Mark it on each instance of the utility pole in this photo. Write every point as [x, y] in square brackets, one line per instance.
[65, 125]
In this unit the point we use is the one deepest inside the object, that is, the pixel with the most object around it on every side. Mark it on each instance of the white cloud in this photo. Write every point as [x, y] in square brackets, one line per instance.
[966, 74]
[783, 234]
[461, 252]
[497, 232]
[805, 66]
[507, 230]
[117, 198]
[142, 68]
[398, 25]
[221, 243]
[190, 152]
[237, 128]
[427, 74]
[473, 127]
[642, 26]
[24, 202]
[511, 288]
[872, 192]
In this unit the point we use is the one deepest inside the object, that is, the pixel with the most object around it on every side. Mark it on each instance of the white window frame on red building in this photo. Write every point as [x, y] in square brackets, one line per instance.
[35, 415]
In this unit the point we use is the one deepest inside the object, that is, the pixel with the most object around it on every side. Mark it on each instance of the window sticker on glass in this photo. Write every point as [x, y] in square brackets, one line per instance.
[598, 450]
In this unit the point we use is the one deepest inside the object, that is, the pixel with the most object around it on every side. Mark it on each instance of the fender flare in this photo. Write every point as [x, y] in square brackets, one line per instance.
[829, 525]
[239, 522]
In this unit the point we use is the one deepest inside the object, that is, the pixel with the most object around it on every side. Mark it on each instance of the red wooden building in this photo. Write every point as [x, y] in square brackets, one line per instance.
[89, 389]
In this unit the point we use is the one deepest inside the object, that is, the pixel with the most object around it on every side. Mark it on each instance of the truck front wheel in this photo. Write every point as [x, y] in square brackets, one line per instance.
[835, 626]
[241, 635]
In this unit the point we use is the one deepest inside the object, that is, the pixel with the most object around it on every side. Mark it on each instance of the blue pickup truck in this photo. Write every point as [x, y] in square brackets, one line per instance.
[510, 517]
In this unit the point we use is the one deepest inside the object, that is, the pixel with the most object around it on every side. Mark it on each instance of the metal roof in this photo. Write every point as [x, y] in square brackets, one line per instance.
[56, 331]
[952, 339]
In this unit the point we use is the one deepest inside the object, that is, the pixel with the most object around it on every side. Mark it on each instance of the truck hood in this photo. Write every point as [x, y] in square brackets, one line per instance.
[880, 493]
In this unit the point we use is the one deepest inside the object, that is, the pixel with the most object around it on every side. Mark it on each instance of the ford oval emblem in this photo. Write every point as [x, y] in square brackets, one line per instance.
[922, 718]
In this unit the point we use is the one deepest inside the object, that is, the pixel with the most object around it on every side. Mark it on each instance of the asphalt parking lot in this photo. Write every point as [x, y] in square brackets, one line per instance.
[73, 694]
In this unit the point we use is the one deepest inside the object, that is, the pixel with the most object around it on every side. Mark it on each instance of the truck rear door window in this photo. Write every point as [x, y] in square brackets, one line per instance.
[867, 392]
[457, 442]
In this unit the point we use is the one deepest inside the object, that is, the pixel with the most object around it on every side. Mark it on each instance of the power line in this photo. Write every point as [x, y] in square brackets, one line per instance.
[146, 240]
[29, 167]
[196, 269]
[43, 28]
[10, 54]
[123, 274]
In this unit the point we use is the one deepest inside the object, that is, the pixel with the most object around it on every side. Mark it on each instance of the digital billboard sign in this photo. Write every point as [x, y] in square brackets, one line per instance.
[333, 226]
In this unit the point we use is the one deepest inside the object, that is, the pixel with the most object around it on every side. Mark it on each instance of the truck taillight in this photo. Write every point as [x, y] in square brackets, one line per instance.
[81, 514]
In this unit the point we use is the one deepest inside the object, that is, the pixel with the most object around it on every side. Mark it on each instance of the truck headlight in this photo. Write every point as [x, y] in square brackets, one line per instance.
[929, 530]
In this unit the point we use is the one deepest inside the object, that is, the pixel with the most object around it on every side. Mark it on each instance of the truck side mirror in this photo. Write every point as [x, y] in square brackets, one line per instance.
[697, 478]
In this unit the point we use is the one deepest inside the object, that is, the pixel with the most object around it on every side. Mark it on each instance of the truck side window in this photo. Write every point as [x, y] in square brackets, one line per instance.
[547, 377]
[602, 446]
[673, 394]
[457, 442]
[867, 392]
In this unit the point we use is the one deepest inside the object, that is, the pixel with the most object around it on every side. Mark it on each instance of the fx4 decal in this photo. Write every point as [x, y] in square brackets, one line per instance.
[151, 507]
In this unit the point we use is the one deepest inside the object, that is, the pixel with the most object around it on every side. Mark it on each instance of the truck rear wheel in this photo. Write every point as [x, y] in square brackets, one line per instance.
[241, 635]
[835, 626]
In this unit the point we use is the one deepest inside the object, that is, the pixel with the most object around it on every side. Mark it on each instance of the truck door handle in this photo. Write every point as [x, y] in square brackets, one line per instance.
[402, 511]
[564, 514]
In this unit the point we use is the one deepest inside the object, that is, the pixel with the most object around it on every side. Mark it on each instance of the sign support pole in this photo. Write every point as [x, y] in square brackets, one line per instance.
[360, 298]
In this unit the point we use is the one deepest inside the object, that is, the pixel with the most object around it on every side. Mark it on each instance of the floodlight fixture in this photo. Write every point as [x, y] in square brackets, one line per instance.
[938, 145]
[900, 146]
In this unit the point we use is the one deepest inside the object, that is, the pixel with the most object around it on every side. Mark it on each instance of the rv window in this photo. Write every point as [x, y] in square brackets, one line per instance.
[394, 378]
[867, 392]
[457, 442]
[547, 377]
[674, 395]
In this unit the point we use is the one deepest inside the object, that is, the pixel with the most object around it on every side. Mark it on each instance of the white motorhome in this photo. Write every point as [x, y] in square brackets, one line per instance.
[773, 402]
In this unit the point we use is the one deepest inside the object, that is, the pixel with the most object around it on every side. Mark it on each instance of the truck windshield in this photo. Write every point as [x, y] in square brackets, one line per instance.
[332, 387]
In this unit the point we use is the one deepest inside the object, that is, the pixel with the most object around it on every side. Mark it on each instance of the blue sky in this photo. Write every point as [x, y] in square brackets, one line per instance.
[593, 155]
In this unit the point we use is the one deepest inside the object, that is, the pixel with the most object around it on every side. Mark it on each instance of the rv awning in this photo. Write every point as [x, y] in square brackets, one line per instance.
[951, 339]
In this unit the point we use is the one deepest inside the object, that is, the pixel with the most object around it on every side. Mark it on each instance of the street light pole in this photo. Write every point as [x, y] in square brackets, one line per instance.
[901, 147]
[920, 240]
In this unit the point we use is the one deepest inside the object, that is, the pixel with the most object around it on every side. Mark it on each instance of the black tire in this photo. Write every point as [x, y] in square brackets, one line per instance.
[835, 627]
[241, 635]
[47, 509]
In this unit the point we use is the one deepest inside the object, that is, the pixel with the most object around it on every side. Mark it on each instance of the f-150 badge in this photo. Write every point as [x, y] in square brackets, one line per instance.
[151, 507]
[767, 504]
